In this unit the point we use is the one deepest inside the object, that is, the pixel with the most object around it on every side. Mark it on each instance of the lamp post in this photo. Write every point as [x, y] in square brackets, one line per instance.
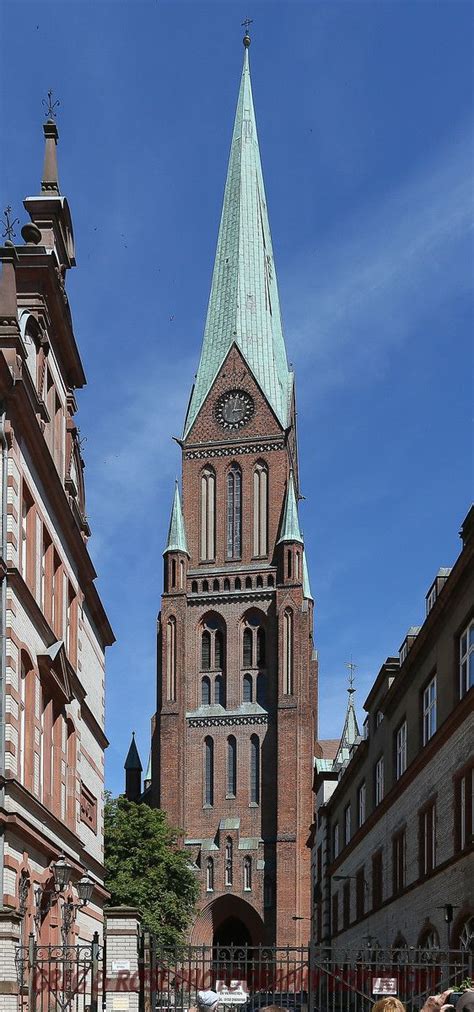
[62, 872]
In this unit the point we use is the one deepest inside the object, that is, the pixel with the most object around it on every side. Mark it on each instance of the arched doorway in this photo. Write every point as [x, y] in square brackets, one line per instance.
[231, 931]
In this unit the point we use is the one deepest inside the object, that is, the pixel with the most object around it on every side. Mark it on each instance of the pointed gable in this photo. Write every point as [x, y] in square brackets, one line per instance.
[132, 761]
[244, 305]
[53, 666]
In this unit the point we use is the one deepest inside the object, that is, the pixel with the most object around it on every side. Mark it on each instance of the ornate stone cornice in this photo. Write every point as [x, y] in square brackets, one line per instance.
[234, 450]
[236, 720]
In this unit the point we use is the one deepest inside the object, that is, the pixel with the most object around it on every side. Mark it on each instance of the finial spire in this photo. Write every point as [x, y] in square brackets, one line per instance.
[351, 667]
[50, 106]
[246, 39]
[50, 180]
[9, 230]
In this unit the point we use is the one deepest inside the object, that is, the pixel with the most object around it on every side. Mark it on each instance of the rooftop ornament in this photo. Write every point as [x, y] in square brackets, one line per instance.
[246, 38]
[9, 230]
[50, 106]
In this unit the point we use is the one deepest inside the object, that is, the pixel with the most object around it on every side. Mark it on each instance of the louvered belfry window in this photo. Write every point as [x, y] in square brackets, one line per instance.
[234, 512]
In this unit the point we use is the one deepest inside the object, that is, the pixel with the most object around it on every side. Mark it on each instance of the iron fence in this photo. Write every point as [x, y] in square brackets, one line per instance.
[59, 978]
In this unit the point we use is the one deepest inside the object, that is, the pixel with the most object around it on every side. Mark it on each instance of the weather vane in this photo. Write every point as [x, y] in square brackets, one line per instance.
[246, 23]
[9, 230]
[351, 668]
[50, 106]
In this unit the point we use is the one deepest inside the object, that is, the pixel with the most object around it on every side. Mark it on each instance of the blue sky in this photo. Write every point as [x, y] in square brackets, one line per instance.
[365, 121]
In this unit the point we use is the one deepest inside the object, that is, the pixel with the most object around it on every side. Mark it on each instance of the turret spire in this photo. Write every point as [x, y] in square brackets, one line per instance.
[244, 305]
[350, 731]
[290, 527]
[176, 540]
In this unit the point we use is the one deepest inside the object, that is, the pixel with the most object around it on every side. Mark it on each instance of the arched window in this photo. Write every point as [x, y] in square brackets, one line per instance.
[173, 572]
[228, 862]
[297, 566]
[215, 585]
[288, 563]
[247, 648]
[181, 574]
[247, 874]
[259, 581]
[208, 496]
[231, 766]
[206, 650]
[255, 770]
[248, 583]
[226, 584]
[209, 875]
[208, 771]
[238, 583]
[261, 693]
[260, 647]
[270, 581]
[219, 690]
[206, 691]
[260, 510]
[205, 586]
[267, 892]
[288, 653]
[194, 587]
[234, 512]
[248, 689]
[171, 659]
[218, 650]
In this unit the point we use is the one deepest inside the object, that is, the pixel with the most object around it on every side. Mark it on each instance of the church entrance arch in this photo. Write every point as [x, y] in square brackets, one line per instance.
[228, 920]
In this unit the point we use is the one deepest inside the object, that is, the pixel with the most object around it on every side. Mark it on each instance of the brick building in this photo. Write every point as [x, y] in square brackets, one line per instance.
[54, 628]
[234, 732]
[393, 830]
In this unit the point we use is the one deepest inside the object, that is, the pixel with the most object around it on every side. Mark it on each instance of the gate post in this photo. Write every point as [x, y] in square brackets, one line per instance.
[10, 923]
[122, 985]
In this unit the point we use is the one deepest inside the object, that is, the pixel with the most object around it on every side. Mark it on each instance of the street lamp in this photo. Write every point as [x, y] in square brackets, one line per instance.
[62, 872]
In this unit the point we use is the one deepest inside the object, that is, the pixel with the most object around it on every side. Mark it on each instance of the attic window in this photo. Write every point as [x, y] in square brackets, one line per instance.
[431, 598]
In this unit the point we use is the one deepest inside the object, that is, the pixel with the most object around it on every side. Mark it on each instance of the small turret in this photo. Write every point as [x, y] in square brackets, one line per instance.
[176, 553]
[290, 542]
[133, 772]
[50, 210]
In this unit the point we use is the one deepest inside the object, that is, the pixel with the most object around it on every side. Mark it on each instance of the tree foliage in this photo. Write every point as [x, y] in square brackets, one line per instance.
[144, 868]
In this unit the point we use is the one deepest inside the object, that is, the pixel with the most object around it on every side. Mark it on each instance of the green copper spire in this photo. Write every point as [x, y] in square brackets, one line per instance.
[176, 540]
[306, 584]
[244, 306]
[290, 528]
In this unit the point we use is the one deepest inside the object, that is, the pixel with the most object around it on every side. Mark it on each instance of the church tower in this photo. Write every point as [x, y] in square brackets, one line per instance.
[237, 672]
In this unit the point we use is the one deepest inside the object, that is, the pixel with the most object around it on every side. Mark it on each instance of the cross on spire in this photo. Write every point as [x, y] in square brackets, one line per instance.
[245, 24]
[9, 230]
[50, 106]
[351, 668]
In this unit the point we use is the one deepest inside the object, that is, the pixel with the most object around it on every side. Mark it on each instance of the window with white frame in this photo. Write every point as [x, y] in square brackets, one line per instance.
[429, 710]
[347, 824]
[361, 794]
[466, 659]
[379, 780]
[401, 750]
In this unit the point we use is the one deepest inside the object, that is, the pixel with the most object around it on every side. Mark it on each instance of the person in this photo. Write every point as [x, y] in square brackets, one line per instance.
[388, 1005]
[207, 1001]
[442, 1002]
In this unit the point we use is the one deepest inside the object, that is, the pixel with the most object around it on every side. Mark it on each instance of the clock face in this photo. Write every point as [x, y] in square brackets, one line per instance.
[234, 409]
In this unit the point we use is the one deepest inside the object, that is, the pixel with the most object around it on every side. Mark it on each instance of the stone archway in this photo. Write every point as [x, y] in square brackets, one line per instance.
[225, 917]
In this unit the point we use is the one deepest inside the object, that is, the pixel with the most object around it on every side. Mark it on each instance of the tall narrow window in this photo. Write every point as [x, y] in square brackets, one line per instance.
[208, 771]
[401, 750]
[205, 691]
[379, 780]
[171, 659]
[206, 650]
[260, 510]
[429, 710]
[347, 824]
[288, 564]
[427, 838]
[255, 770]
[24, 535]
[288, 653]
[231, 766]
[219, 690]
[228, 862]
[247, 874]
[209, 875]
[466, 659]
[208, 496]
[219, 650]
[247, 648]
[248, 689]
[181, 574]
[234, 512]
[361, 804]
[260, 647]
[398, 862]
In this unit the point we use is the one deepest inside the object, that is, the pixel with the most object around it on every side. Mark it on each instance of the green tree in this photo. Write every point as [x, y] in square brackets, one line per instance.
[144, 868]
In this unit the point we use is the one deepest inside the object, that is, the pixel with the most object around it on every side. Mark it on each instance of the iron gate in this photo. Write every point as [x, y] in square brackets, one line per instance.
[250, 978]
[59, 978]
